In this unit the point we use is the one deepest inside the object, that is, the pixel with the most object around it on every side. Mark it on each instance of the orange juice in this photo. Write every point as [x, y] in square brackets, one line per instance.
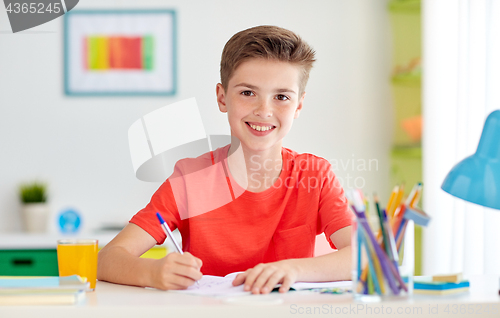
[78, 257]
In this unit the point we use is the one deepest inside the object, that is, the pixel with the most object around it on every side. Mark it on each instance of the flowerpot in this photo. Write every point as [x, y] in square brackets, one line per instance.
[35, 217]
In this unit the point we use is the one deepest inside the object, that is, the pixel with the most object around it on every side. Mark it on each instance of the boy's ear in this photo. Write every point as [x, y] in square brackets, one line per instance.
[221, 97]
[299, 107]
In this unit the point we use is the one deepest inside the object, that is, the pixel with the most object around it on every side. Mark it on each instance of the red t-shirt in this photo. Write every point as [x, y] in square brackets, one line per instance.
[231, 229]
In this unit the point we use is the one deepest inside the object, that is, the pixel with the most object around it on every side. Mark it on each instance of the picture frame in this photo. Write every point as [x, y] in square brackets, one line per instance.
[120, 52]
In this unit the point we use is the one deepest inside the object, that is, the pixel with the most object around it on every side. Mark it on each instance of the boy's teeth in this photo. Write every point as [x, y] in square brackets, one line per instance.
[259, 128]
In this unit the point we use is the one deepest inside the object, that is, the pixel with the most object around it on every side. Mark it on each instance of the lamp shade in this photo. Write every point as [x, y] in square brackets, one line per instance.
[477, 178]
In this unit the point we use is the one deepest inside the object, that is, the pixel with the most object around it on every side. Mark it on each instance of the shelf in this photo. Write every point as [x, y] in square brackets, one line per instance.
[405, 6]
[413, 80]
[17, 241]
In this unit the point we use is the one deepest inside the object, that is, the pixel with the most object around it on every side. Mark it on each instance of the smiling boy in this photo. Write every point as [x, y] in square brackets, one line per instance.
[280, 200]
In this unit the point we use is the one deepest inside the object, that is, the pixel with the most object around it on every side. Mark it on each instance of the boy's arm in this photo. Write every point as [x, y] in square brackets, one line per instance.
[330, 267]
[120, 262]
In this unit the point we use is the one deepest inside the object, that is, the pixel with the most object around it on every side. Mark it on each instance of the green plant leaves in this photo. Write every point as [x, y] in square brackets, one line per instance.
[35, 192]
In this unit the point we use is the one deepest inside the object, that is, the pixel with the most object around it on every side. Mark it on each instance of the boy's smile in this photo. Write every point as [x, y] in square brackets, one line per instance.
[259, 129]
[262, 99]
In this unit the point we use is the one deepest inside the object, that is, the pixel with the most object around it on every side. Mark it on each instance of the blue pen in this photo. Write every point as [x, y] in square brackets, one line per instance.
[169, 234]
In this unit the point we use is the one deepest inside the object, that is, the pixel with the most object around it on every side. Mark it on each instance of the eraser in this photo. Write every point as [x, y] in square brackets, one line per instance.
[449, 278]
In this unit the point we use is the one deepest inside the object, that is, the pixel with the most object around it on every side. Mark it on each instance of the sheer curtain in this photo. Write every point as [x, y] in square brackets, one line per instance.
[461, 86]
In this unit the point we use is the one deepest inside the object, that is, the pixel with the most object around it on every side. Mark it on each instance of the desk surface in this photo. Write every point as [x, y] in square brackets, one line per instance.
[111, 300]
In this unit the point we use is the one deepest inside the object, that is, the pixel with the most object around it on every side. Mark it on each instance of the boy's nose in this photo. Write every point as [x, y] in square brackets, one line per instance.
[264, 109]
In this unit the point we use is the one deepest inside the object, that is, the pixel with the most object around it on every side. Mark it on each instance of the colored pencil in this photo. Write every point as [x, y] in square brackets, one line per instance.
[382, 227]
[375, 271]
[392, 199]
[397, 201]
[386, 264]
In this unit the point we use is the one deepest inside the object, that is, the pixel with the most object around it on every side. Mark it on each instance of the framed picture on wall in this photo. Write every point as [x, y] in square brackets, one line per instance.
[125, 52]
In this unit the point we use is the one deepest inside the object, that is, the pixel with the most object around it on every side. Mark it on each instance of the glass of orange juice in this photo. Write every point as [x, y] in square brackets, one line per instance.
[78, 257]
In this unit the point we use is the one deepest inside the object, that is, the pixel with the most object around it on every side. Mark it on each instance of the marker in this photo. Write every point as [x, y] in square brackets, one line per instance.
[169, 234]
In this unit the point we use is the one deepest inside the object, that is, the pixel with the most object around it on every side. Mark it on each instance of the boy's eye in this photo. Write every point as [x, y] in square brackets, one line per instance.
[247, 93]
[282, 97]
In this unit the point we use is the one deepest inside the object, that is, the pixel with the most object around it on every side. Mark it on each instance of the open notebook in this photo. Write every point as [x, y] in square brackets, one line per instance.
[222, 286]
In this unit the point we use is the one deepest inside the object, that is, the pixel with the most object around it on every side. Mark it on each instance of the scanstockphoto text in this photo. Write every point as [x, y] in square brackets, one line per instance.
[479, 310]
[349, 168]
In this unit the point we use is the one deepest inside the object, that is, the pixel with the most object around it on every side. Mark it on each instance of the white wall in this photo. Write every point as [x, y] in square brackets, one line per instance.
[79, 144]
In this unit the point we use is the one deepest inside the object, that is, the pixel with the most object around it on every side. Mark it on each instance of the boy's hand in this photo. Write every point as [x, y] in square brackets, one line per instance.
[263, 278]
[176, 271]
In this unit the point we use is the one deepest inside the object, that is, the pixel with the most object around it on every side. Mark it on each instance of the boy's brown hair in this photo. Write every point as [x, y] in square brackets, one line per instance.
[268, 42]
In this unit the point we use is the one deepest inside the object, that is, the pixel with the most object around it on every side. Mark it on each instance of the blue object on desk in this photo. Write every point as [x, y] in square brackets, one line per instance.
[45, 282]
[26, 282]
[440, 285]
[419, 218]
[477, 178]
[69, 221]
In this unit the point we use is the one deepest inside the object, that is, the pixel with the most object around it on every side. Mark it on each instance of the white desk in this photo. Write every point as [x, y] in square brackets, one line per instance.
[110, 300]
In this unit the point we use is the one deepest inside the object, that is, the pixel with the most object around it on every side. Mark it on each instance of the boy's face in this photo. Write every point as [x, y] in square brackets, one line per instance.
[261, 101]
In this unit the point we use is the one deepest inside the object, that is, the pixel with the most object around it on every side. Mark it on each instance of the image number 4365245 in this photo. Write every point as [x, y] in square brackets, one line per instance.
[26, 14]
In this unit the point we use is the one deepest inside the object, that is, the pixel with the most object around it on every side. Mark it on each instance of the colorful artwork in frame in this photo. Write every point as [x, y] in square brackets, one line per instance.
[127, 52]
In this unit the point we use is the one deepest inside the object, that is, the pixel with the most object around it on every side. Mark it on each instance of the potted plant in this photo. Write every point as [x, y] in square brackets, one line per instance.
[34, 208]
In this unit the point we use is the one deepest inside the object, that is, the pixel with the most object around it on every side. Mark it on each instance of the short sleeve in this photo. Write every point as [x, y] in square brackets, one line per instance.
[172, 197]
[163, 202]
[334, 211]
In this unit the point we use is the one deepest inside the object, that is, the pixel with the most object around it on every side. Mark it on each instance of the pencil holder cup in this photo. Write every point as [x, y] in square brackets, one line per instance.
[382, 264]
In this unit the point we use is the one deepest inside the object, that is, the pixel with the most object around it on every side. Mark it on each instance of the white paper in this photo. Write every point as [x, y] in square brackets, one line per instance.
[222, 286]
[215, 286]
